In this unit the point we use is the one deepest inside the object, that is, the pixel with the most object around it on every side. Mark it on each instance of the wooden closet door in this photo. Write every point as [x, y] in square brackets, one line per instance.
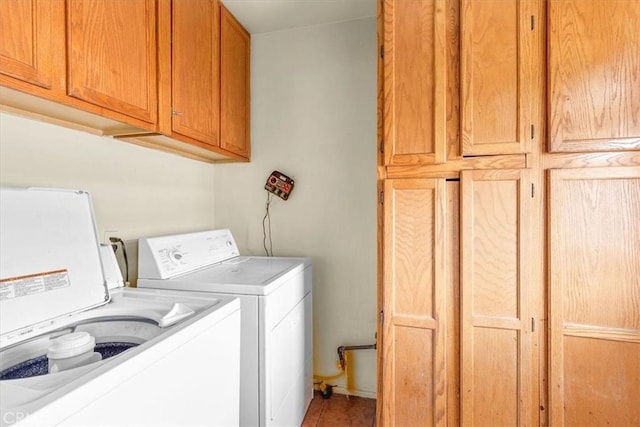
[594, 291]
[413, 353]
[414, 82]
[594, 75]
[112, 55]
[498, 89]
[497, 371]
[27, 37]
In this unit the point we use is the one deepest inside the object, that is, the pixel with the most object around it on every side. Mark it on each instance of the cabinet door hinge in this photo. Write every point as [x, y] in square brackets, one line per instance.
[381, 316]
[382, 51]
[533, 22]
[533, 131]
[382, 146]
[533, 190]
[381, 197]
[533, 324]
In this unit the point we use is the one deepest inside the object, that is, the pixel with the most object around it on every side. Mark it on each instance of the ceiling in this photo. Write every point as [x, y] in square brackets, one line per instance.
[264, 16]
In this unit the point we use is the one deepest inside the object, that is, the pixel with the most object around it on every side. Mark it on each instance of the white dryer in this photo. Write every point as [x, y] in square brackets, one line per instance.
[74, 353]
[276, 375]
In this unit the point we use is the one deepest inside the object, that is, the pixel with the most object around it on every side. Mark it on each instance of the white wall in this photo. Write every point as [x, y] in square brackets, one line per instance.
[136, 191]
[314, 119]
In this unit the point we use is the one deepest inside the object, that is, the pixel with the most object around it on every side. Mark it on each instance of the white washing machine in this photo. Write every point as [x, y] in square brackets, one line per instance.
[75, 353]
[276, 377]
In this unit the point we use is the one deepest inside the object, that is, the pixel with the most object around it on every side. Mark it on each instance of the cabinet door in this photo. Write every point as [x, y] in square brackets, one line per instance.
[594, 75]
[26, 40]
[196, 69]
[594, 291]
[414, 82]
[497, 82]
[414, 286]
[112, 55]
[235, 47]
[497, 375]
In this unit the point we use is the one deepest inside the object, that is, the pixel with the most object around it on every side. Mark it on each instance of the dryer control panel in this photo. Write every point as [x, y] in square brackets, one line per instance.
[169, 256]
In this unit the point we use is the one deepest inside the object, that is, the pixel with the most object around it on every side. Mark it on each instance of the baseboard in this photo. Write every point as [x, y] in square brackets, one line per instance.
[359, 393]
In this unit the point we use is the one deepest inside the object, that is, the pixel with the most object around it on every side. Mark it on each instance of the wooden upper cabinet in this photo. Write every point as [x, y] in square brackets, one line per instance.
[414, 82]
[498, 87]
[235, 55]
[195, 73]
[497, 353]
[111, 54]
[594, 75]
[594, 294]
[27, 39]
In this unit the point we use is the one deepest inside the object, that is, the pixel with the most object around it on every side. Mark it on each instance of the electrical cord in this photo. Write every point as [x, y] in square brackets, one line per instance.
[267, 219]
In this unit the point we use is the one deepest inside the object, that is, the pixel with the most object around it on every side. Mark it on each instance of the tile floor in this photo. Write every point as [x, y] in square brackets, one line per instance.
[340, 411]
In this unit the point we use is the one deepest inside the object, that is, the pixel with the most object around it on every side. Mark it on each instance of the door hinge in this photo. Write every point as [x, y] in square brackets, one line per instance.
[381, 316]
[382, 51]
[533, 324]
[382, 146]
[533, 190]
[533, 131]
[533, 22]
[381, 197]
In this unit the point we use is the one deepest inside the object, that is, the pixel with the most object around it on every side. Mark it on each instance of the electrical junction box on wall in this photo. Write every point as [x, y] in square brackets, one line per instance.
[279, 184]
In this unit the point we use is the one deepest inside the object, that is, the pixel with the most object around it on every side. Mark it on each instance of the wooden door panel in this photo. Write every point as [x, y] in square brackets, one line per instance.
[196, 70]
[415, 244]
[594, 75]
[494, 402]
[235, 55]
[594, 291]
[414, 82]
[112, 55]
[26, 40]
[497, 90]
[496, 295]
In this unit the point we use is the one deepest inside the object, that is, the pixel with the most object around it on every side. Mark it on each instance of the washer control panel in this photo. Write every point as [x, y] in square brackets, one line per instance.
[168, 256]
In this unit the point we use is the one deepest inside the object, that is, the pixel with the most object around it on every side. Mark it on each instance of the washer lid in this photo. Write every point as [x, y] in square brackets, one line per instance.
[49, 260]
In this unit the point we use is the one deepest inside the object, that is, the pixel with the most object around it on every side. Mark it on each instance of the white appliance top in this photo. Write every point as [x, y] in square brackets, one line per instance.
[208, 262]
[42, 278]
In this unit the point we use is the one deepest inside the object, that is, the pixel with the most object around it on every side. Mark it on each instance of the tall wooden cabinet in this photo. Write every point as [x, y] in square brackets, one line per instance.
[517, 302]
[497, 293]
